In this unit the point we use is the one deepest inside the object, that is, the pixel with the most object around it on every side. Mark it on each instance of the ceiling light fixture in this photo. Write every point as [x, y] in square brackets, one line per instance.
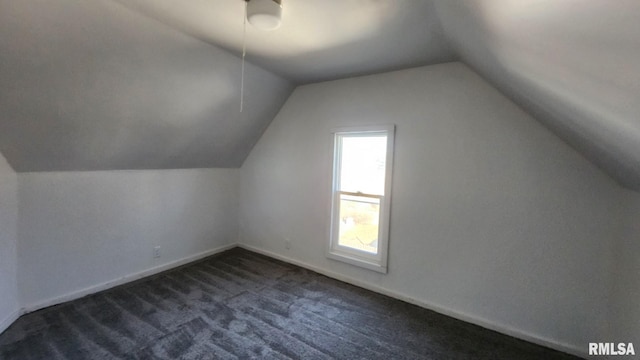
[265, 14]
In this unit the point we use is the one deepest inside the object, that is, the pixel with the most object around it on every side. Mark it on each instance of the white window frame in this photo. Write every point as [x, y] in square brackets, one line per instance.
[377, 262]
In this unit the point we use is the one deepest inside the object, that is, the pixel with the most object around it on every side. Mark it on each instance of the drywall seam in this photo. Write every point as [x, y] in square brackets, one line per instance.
[485, 323]
[6, 322]
[122, 280]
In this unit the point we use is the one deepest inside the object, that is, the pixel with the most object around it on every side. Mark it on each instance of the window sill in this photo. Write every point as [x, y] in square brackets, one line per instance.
[357, 261]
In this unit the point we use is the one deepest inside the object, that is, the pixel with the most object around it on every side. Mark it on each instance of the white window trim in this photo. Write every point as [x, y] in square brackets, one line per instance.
[377, 262]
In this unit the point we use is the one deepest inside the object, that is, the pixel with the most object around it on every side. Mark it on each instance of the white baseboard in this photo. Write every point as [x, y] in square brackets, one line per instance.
[6, 322]
[485, 323]
[488, 324]
[123, 280]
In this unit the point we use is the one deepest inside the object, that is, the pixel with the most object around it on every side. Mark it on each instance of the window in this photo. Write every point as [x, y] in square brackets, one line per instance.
[362, 163]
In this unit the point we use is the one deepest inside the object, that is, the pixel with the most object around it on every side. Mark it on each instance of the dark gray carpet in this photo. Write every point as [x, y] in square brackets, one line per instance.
[241, 305]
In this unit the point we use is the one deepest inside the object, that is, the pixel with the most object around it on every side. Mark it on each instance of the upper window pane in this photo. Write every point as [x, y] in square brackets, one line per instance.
[363, 164]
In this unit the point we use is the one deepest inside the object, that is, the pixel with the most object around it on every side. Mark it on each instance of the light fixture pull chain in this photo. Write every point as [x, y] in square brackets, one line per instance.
[244, 54]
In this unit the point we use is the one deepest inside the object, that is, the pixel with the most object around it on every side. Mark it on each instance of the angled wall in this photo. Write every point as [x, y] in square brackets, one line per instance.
[92, 85]
[9, 304]
[574, 67]
[494, 219]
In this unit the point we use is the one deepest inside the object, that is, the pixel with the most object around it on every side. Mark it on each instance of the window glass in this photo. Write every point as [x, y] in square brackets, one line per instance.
[363, 164]
[360, 204]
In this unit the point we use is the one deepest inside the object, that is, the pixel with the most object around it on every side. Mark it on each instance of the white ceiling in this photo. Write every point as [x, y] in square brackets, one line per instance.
[136, 84]
[575, 64]
[91, 85]
[319, 39]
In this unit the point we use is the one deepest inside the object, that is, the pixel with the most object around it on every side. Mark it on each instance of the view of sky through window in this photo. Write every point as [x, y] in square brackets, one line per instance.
[363, 164]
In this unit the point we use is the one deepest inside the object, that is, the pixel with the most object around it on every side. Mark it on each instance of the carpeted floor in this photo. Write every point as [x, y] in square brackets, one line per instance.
[243, 305]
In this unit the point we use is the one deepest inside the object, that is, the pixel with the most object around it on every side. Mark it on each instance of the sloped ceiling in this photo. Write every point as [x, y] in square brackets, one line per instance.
[155, 84]
[575, 64]
[152, 84]
[91, 85]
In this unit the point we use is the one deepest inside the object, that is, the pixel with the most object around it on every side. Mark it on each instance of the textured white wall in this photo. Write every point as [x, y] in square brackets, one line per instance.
[81, 229]
[494, 218]
[8, 238]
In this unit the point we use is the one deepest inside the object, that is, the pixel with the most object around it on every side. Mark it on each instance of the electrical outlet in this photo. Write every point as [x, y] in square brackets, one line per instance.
[287, 243]
[156, 252]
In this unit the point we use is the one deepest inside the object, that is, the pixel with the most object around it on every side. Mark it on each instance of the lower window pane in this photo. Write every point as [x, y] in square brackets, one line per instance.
[359, 218]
